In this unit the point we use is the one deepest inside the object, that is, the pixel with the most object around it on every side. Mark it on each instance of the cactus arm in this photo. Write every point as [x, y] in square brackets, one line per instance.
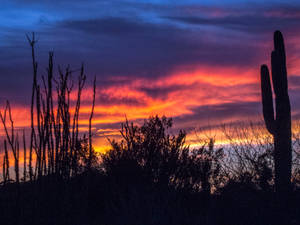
[267, 99]
[279, 44]
[279, 72]
[280, 84]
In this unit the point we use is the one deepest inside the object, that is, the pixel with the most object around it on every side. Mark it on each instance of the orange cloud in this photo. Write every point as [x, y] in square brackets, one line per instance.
[173, 95]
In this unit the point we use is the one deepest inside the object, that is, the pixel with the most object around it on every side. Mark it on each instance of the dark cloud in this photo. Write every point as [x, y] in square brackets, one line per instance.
[111, 26]
[128, 47]
[228, 110]
[294, 81]
[107, 100]
[163, 92]
[247, 23]
[214, 115]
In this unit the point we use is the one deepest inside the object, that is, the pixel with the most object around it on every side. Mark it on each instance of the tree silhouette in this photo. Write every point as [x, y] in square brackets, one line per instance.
[162, 158]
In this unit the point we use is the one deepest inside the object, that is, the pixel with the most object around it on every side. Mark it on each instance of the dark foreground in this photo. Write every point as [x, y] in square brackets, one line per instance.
[96, 198]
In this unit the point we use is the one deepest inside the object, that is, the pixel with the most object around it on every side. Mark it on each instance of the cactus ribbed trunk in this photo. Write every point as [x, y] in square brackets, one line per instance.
[279, 125]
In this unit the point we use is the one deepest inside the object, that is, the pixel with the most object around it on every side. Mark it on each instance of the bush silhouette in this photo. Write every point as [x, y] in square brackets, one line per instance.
[156, 156]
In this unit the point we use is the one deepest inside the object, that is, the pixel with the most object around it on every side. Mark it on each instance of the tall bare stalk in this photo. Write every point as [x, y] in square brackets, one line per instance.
[56, 145]
[10, 136]
[25, 157]
[90, 126]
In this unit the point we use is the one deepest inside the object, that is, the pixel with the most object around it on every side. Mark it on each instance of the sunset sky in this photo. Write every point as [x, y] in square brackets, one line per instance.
[196, 61]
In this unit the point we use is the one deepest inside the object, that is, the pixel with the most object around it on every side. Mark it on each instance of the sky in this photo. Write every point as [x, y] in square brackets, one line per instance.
[195, 61]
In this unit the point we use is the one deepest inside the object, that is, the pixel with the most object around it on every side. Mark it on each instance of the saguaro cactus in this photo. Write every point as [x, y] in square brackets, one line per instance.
[279, 125]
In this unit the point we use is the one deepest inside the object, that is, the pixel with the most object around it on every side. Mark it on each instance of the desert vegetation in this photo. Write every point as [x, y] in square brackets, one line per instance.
[151, 176]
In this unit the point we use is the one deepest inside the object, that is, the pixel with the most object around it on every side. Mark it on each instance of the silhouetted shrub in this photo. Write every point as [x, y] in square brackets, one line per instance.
[152, 174]
[149, 152]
